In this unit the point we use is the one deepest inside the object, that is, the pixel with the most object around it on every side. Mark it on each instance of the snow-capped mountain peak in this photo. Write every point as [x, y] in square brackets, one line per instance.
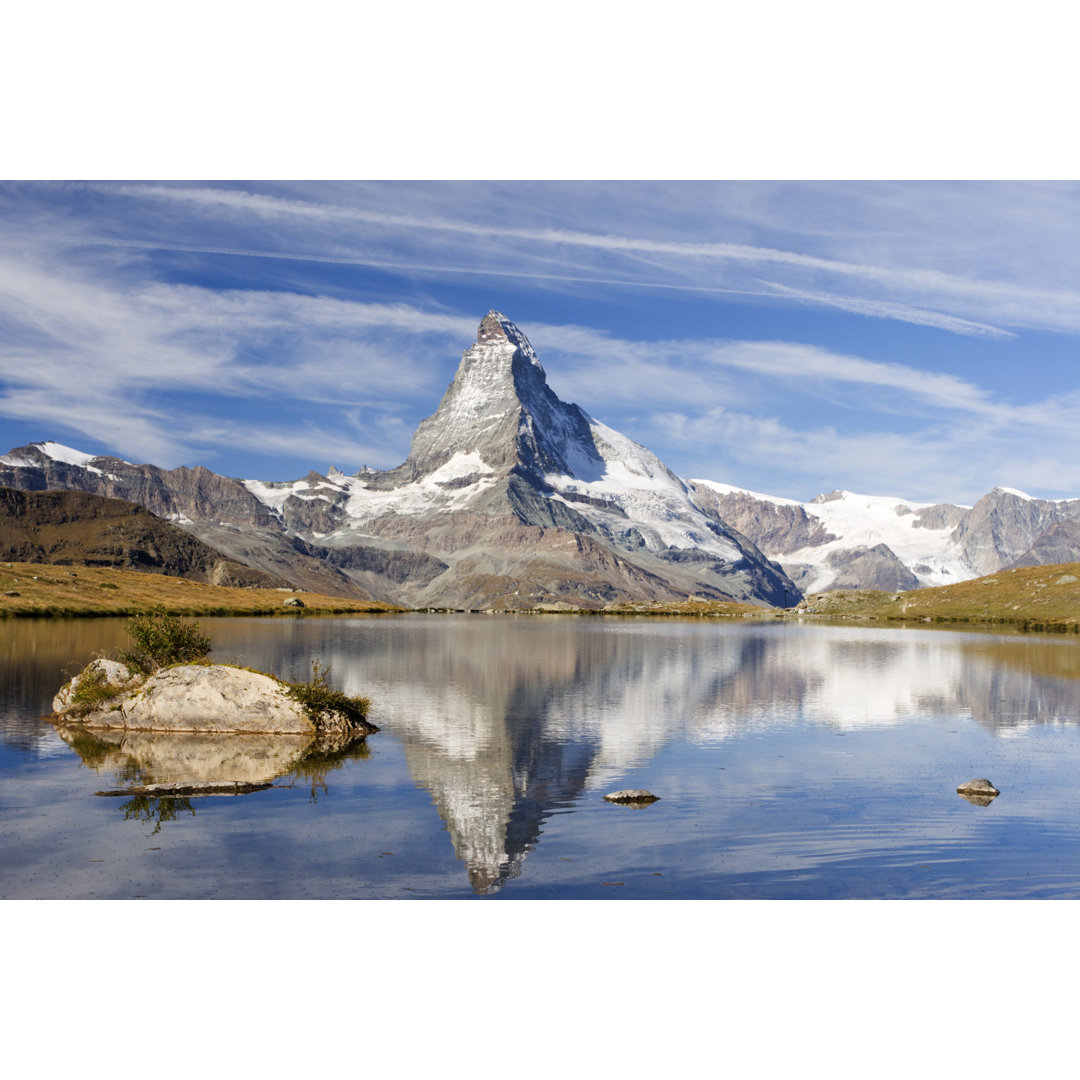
[502, 447]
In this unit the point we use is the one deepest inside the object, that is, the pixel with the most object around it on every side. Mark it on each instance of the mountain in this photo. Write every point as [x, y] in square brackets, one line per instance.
[74, 528]
[1058, 544]
[509, 498]
[512, 498]
[846, 541]
[522, 500]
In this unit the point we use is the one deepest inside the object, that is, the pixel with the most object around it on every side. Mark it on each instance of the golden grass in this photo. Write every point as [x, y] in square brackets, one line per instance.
[41, 589]
[1033, 598]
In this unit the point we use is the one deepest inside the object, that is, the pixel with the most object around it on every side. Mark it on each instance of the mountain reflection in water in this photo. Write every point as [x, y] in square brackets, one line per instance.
[516, 726]
[505, 720]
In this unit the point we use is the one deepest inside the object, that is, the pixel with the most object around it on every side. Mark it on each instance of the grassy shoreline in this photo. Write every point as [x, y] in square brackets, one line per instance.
[1032, 599]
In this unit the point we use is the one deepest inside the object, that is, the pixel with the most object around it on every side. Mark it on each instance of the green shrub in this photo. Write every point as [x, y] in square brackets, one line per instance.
[162, 639]
[318, 699]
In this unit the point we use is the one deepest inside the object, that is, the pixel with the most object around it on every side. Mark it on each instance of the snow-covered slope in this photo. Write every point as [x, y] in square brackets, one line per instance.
[902, 544]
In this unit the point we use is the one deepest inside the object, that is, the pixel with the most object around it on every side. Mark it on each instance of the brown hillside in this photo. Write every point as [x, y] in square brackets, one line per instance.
[75, 528]
[31, 589]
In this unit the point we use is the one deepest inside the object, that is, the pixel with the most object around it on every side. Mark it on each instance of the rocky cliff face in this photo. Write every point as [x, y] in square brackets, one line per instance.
[1058, 544]
[252, 542]
[176, 494]
[1005, 524]
[500, 408]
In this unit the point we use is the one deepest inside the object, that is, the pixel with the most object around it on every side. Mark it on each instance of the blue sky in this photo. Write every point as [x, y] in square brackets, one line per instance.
[916, 339]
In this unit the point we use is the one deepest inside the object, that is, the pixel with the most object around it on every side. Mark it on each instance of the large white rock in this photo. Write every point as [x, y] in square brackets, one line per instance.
[195, 697]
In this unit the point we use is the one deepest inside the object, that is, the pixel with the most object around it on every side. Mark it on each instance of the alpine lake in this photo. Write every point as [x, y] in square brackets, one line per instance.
[792, 760]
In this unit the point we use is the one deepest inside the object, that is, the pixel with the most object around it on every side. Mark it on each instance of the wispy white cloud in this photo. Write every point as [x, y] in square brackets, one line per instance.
[956, 463]
[646, 370]
[493, 271]
[137, 370]
[896, 287]
[923, 434]
[887, 309]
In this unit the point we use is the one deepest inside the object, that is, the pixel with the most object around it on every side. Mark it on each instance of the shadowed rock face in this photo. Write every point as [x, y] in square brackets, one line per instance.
[871, 568]
[246, 536]
[777, 528]
[500, 407]
[1060, 543]
[196, 494]
[75, 528]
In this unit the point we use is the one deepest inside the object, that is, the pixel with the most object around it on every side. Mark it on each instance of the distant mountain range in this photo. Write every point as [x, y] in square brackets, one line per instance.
[848, 541]
[512, 498]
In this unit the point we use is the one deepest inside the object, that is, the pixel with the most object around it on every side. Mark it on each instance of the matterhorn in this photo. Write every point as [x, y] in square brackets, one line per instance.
[519, 500]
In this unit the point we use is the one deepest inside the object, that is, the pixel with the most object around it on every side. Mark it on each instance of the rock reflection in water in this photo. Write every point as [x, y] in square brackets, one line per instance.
[162, 771]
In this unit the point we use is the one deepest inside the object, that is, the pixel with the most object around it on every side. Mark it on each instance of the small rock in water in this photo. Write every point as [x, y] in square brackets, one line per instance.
[980, 792]
[632, 797]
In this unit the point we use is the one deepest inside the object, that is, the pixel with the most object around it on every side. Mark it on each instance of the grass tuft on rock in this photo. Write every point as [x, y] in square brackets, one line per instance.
[92, 689]
[321, 701]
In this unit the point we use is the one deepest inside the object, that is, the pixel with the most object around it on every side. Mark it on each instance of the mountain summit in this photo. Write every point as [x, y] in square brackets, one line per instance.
[500, 407]
[511, 498]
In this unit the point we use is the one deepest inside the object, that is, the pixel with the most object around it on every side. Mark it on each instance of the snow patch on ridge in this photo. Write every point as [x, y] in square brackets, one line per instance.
[869, 520]
[59, 452]
[731, 489]
[436, 491]
[16, 462]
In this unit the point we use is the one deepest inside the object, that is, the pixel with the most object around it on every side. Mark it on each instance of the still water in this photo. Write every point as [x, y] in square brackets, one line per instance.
[792, 761]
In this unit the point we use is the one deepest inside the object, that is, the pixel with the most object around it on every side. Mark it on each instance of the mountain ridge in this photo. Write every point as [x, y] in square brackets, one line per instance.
[512, 498]
[76, 528]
